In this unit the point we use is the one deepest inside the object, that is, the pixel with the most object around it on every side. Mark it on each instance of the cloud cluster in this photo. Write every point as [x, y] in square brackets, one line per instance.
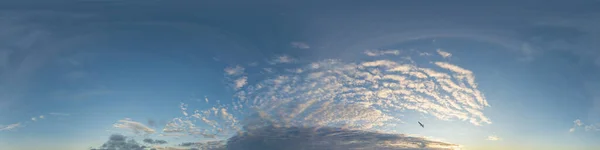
[216, 122]
[236, 76]
[136, 127]
[589, 127]
[350, 96]
[364, 95]
[9, 127]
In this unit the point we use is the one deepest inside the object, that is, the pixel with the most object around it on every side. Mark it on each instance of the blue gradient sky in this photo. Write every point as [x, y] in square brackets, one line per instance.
[84, 66]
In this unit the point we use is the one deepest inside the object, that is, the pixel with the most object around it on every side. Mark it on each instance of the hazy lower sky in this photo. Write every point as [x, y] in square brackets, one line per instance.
[478, 75]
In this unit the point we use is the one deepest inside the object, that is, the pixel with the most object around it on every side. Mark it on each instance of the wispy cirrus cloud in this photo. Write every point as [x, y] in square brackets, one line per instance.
[237, 70]
[282, 59]
[300, 45]
[381, 52]
[133, 126]
[9, 127]
[493, 138]
[444, 54]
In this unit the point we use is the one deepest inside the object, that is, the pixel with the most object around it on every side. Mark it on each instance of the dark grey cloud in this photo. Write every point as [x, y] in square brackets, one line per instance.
[151, 141]
[324, 138]
[120, 142]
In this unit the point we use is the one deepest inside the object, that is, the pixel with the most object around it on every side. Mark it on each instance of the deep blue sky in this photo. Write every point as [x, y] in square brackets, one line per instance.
[74, 72]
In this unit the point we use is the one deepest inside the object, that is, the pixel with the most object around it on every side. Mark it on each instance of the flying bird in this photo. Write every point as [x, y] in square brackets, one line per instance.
[421, 124]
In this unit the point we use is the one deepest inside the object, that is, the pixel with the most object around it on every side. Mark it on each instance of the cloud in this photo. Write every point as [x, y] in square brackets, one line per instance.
[300, 45]
[282, 59]
[42, 117]
[33, 119]
[365, 95]
[240, 82]
[232, 71]
[444, 54]
[136, 127]
[493, 138]
[120, 142]
[151, 141]
[381, 52]
[9, 127]
[297, 138]
[587, 127]
[578, 122]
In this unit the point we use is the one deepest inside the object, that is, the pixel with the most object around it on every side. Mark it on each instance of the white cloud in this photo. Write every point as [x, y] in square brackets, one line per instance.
[366, 92]
[493, 138]
[136, 127]
[444, 54]
[300, 45]
[240, 82]
[381, 52]
[587, 127]
[33, 119]
[9, 127]
[42, 117]
[592, 127]
[183, 108]
[237, 70]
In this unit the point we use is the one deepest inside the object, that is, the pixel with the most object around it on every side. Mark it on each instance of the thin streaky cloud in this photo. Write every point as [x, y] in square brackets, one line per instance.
[381, 52]
[493, 138]
[300, 45]
[444, 54]
[9, 127]
[133, 126]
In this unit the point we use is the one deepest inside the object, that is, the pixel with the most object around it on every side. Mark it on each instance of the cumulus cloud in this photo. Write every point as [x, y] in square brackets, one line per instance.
[136, 127]
[240, 82]
[9, 127]
[444, 53]
[300, 45]
[120, 142]
[381, 52]
[493, 138]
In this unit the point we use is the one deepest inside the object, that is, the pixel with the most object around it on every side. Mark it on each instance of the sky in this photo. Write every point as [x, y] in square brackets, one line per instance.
[323, 74]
